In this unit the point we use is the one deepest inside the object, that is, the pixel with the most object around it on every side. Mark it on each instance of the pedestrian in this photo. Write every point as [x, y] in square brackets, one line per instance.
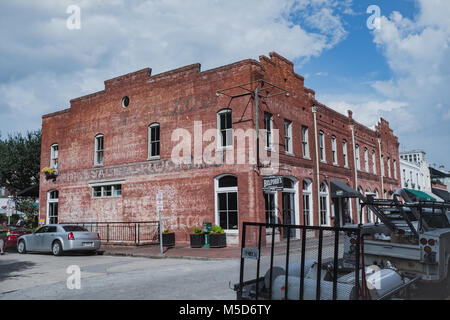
[4, 232]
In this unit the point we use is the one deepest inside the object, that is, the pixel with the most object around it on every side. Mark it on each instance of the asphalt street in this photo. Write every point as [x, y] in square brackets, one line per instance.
[43, 276]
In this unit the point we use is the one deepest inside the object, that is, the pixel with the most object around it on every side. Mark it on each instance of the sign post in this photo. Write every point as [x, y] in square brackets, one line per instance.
[10, 206]
[159, 208]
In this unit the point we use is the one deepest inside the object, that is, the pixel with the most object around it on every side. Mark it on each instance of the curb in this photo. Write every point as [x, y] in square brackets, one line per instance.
[133, 255]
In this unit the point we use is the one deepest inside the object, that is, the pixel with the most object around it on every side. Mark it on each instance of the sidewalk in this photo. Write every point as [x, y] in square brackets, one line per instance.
[179, 251]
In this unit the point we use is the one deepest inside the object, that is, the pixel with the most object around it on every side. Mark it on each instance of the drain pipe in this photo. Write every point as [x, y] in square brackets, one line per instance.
[381, 169]
[314, 111]
[352, 128]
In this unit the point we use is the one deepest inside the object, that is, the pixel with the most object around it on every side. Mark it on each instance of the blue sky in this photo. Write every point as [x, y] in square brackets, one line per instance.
[399, 72]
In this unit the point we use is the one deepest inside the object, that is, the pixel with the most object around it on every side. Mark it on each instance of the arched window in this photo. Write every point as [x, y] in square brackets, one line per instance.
[154, 141]
[324, 208]
[226, 190]
[52, 206]
[225, 128]
[307, 203]
[358, 205]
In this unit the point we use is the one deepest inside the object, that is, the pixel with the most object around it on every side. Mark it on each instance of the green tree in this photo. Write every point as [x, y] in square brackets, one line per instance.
[20, 157]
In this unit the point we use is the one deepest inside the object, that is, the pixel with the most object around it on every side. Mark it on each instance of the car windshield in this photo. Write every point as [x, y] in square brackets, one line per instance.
[73, 228]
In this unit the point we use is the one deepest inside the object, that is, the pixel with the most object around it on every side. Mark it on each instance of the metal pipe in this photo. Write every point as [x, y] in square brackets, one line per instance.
[381, 168]
[352, 127]
[314, 111]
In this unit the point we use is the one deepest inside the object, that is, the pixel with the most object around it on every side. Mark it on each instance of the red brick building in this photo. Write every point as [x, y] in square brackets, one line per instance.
[113, 150]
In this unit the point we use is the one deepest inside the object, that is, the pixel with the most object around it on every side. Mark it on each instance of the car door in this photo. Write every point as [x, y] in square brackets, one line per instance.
[48, 237]
[35, 240]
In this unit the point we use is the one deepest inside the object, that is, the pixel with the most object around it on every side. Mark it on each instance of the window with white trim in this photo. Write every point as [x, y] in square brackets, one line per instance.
[268, 124]
[225, 128]
[226, 189]
[358, 161]
[305, 142]
[52, 206]
[324, 196]
[344, 153]
[288, 136]
[322, 146]
[154, 141]
[307, 203]
[99, 150]
[106, 191]
[382, 166]
[366, 159]
[395, 169]
[333, 150]
[389, 167]
[374, 162]
[54, 156]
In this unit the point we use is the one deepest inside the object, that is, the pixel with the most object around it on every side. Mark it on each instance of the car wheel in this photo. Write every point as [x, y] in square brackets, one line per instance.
[21, 248]
[57, 248]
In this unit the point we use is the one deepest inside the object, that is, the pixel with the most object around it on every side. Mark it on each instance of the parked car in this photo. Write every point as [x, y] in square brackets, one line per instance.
[59, 238]
[14, 234]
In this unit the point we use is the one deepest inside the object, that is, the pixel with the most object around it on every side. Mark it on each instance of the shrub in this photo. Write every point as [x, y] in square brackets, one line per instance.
[216, 229]
[197, 230]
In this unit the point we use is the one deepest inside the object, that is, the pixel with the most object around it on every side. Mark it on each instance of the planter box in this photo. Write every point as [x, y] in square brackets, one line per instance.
[218, 240]
[168, 239]
[51, 176]
[197, 240]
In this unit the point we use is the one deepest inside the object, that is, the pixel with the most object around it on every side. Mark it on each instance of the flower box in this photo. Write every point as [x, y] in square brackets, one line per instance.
[197, 240]
[168, 239]
[217, 240]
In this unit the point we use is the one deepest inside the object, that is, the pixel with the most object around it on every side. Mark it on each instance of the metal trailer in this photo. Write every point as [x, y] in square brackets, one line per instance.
[337, 263]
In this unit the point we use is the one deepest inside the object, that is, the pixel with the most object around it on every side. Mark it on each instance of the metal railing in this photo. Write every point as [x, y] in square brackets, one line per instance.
[124, 232]
[319, 263]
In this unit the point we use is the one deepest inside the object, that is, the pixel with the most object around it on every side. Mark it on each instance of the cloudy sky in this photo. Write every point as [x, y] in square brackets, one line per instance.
[400, 71]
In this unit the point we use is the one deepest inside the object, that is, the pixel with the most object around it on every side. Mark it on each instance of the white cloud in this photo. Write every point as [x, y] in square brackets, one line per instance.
[416, 96]
[48, 64]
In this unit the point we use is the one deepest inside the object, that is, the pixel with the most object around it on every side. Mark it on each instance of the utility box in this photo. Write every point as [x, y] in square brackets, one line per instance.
[207, 227]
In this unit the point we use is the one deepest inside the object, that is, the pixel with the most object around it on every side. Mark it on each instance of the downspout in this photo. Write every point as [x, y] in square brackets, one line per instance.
[352, 127]
[314, 111]
[381, 168]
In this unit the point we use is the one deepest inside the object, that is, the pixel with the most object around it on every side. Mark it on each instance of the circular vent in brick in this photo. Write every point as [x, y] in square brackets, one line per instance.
[125, 102]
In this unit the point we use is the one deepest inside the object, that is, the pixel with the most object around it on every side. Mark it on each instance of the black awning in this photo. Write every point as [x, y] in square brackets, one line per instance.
[341, 190]
[32, 192]
[443, 194]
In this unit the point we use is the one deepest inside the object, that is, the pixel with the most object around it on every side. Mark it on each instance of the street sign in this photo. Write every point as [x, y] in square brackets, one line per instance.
[10, 206]
[159, 200]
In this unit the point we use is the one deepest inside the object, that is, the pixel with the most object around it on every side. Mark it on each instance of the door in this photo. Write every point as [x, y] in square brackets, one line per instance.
[288, 213]
[35, 243]
[48, 237]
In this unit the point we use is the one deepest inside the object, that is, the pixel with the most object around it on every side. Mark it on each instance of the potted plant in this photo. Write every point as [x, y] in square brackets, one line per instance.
[50, 173]
[217, 237]
[197, 238]
[168, 238]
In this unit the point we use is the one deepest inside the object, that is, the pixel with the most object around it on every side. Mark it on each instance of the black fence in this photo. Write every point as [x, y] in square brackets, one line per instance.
[283, 262]
[134, 233]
